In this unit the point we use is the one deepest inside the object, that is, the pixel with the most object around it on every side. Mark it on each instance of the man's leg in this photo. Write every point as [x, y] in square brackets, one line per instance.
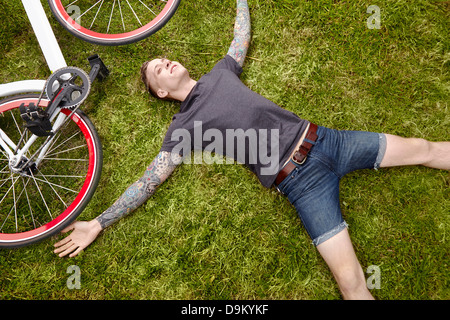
[338, 253]
[413, 151]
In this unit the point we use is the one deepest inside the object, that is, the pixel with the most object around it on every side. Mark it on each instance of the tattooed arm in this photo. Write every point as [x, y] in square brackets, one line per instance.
[157, 172]
[241, 41]
[84, 233]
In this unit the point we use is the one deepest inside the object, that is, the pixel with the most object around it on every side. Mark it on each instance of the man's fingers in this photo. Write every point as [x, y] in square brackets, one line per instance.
[76, 252]
[64, 246]
[69, 227]
[63, 241]
[68, 250]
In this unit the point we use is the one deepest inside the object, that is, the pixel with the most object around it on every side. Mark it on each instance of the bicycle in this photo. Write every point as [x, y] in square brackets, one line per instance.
[50, 152]
[110, 22]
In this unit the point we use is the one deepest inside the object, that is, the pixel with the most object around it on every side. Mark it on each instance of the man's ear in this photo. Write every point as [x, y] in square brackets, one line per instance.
[162, 93]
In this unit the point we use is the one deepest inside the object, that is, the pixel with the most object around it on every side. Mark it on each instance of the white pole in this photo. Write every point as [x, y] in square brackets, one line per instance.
[44, 34]
[25, 86]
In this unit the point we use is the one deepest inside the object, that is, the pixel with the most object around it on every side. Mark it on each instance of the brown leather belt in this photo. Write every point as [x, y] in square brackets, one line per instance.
[300, 155]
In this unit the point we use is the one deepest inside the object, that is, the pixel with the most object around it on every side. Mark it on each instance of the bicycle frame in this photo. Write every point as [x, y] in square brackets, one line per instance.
[55, 60]
[49, 46]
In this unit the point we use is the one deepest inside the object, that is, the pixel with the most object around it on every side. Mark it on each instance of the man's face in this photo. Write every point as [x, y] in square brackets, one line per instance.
[165, 76]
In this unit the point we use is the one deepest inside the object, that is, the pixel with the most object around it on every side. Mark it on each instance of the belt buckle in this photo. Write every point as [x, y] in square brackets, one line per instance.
[299, 162]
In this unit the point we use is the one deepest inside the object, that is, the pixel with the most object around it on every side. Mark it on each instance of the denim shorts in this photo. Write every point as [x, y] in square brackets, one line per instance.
[313, 187]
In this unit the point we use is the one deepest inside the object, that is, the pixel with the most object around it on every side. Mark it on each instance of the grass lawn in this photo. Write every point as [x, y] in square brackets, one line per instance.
[212, 231]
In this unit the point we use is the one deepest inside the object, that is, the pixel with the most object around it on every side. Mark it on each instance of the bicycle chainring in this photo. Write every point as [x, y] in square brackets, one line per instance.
[70, 82]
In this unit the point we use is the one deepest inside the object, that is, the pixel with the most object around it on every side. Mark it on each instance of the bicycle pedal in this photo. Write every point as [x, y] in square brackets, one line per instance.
[98, 68]
[40, 129]
[36, 120]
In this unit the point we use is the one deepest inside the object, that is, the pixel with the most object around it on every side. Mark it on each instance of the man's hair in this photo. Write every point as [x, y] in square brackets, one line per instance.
[145, 79]
[147, 84]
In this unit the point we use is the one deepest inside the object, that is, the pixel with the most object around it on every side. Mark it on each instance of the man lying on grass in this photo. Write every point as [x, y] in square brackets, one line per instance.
[303, 161]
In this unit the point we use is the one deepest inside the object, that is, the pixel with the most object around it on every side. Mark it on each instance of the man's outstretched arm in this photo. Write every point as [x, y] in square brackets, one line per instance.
[85, 232]
[136, 194]
[241, 41]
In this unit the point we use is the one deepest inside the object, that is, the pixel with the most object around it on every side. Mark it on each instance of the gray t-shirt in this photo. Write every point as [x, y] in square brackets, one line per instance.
[223, 116]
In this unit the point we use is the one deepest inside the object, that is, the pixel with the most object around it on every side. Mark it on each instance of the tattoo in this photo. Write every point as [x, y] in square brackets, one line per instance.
[157, 172]
[241, 41]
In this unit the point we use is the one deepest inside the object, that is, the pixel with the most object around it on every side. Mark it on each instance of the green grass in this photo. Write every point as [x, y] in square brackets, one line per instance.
[212, 231]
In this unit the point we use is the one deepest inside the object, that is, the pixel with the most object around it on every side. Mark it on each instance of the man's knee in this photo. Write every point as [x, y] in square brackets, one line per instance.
[423, 149]
[426, 151]
[407, 151]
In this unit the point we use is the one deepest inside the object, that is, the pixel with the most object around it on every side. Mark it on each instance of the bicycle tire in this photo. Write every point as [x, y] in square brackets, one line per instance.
[91, 23]
[48, 200]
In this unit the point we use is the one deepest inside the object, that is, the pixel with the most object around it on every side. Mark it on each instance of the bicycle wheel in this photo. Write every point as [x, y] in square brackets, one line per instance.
[45, 195]
[113, 22]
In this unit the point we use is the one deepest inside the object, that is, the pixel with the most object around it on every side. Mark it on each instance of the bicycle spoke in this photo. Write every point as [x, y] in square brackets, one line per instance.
[4, 154]
[42, 196]
[67, 150]
[6, 179]
[28, 201]
[148, 8]
[7, 192]
[62, 143]
[71, 3]
[58, 135]
[89, 9]
[95, 17]
[66, 159]
[50, 184]
[61, 176]
[15, 204]
[15, 122]
[54, 140]
[16, 200]
[134, 13]
[8, 189]
[110, 16]
[23, 135]
[121, 15]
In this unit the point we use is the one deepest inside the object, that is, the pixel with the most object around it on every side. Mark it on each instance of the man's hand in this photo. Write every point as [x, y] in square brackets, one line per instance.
[83, 234]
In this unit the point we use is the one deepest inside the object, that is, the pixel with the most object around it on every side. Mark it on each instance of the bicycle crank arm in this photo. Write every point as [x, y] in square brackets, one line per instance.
[98, 68]
[55, 102]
